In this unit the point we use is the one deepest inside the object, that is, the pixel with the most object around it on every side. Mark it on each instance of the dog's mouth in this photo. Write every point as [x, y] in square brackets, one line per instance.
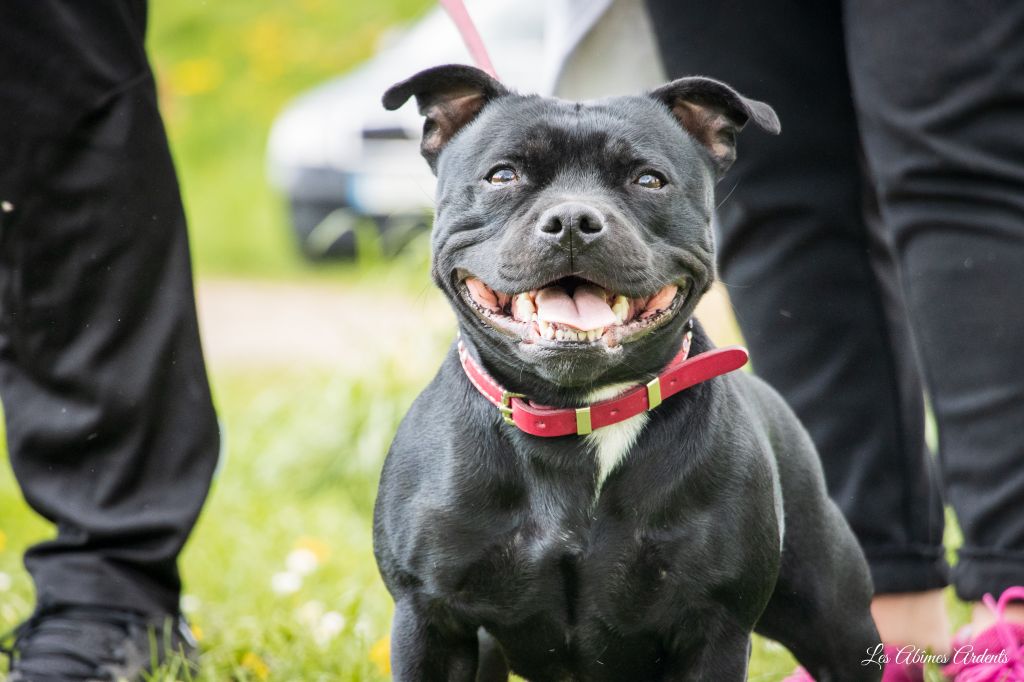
[573, 311]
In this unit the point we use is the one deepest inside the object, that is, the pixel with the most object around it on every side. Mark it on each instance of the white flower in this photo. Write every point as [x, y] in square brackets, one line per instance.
[363, 629]
[5, 582]
[190, 603]
[330, 626]
[286, 582]
[309, 613]
[302, 561]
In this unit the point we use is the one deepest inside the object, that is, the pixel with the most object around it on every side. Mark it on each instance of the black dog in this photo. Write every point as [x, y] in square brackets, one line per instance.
[574, 240]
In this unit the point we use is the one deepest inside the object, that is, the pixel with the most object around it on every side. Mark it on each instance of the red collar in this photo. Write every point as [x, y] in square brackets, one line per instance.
[682, 373]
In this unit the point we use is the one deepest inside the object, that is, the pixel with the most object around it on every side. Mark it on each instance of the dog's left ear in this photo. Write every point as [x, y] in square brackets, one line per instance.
[713, 113]
[449, 97]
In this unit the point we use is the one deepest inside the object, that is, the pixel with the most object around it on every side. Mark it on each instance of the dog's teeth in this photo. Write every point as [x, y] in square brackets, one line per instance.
[523, 308]
[547, 331]
[620, 308]
[560, 335]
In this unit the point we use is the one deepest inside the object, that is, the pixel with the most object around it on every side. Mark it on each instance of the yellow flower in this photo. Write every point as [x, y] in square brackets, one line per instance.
[256, 665]
[318, 547]
[266, 41]
[380, 654]
[3, 540]
[196, 76]
[197, 632]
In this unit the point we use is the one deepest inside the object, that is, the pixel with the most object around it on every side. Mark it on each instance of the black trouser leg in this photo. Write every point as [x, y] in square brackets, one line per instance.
[110, 426]
[940, 98]
[813, 286]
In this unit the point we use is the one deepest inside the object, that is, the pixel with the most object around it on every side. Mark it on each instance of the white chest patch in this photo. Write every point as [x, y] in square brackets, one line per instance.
[612, 443]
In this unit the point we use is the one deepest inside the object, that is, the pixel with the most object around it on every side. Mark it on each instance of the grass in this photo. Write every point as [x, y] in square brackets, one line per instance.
[304, 450]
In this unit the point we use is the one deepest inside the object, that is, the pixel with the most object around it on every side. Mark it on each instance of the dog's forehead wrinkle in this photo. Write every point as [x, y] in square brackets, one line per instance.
[616, 126]
[579, 121]
[576, 182]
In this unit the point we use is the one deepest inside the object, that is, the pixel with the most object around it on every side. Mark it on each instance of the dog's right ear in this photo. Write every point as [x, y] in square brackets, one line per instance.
[449, 97]
[713, 113]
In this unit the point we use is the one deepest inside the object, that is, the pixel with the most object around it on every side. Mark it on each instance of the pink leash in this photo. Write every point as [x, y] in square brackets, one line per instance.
[467, 29]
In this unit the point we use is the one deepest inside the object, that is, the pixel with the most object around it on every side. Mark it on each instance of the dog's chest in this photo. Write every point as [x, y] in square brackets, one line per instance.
[559, 565]
[560, 588]
[570, 550]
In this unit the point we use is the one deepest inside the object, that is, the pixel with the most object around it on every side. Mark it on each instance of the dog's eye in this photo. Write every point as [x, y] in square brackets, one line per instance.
[650, 181]
[503, 176]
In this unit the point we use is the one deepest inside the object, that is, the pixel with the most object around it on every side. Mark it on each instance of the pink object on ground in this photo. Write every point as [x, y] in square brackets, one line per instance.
[894, 672]
[999, 649]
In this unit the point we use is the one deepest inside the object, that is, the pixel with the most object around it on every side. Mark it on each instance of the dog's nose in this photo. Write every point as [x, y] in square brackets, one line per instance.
[571, 219]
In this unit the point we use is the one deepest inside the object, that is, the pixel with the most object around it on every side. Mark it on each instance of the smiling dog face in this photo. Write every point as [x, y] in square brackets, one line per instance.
[574, 239]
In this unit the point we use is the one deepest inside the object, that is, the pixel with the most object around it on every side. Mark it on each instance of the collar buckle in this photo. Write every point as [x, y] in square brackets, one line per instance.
[506, 405]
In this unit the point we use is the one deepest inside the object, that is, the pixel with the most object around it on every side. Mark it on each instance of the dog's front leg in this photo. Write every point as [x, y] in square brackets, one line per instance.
[722, 656]
[422, 652]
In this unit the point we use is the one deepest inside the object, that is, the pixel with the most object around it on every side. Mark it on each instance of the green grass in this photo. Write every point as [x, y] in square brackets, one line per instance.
[304, 450]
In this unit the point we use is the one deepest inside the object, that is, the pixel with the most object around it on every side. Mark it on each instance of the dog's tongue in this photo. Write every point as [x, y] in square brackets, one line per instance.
[586, 309]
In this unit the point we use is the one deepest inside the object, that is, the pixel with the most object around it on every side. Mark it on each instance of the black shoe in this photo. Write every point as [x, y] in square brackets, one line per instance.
[93, 644]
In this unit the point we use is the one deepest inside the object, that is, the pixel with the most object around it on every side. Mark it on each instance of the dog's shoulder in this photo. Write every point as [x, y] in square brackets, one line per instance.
[447, 408]
[448, 441]
[767, 409]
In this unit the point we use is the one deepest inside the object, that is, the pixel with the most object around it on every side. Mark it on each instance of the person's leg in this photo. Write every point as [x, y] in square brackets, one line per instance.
[812, 286]
[940, 101]
[110, 425]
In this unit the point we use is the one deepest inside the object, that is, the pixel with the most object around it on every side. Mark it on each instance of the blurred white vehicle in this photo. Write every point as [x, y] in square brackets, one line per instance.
[339, 157]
